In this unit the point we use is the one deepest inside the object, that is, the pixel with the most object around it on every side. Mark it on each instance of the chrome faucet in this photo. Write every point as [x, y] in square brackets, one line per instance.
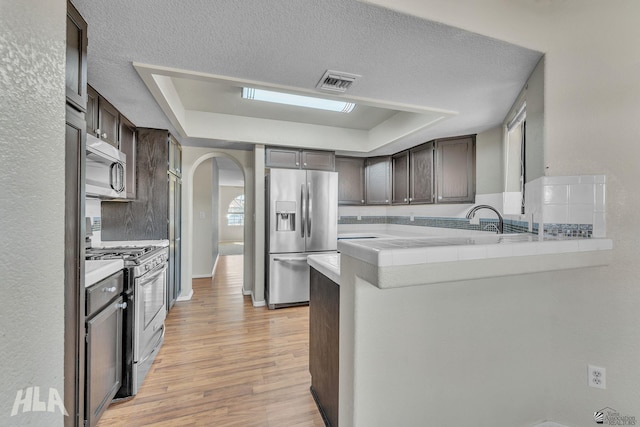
[477, 208]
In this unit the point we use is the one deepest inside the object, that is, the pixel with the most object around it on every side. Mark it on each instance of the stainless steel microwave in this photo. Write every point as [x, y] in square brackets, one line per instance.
[106, 170]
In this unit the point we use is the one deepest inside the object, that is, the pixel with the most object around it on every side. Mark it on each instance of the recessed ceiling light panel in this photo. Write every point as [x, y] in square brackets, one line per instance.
[297, 100]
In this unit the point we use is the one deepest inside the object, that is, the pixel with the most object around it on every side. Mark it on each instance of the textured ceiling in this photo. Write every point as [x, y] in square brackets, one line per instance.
[402, 59]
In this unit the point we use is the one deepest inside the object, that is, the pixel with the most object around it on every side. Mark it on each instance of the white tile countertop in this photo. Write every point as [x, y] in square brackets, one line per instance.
[418, 250]
[423, 260]
[327, 264]
[96, 270]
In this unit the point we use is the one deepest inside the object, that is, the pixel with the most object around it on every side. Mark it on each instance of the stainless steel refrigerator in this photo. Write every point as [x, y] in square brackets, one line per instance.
[302, 219]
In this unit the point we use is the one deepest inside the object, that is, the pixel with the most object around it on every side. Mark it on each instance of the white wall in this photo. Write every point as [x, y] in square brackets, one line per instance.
[591, 126]
[32, 191]
[230, 233]
[205, 251]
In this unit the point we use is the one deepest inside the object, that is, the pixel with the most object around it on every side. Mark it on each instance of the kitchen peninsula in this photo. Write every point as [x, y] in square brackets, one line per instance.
[442, 323]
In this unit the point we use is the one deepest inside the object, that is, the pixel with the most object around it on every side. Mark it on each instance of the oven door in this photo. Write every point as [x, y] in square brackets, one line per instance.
[150, 294]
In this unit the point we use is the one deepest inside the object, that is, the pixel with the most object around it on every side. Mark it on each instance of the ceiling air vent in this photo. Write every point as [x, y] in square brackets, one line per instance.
[336, 81]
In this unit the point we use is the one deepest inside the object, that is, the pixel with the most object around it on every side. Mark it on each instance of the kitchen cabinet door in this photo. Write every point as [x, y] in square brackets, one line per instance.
[102, 118]
[92, 111]
[108, 117]
[76, 59]
[378, 180]
[455, 162]
[104, 360]
[422, 174]
[350, 180]
[282, 158]
[400, 178]
[128, 141]
[318, 160]
[74, 265]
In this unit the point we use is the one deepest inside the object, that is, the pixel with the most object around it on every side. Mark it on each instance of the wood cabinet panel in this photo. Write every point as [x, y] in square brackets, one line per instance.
[74, 266]
[378, 180]
[295, 158]
[92, 111]
[324, 342]
[400, 177]
[282, 158]
[455, 170]
[76, 59]
[350, 180]
[146, 217]
[318, 160]
[108, 117]
[422, 174]
[104, 360]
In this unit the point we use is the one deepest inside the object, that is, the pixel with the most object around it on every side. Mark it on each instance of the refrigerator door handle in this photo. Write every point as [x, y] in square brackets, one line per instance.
[309, 209]
[303, 211]
[291, 259]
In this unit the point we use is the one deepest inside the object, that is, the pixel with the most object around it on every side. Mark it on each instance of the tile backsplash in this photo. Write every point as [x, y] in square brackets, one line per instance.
[567, 205]
[563, 206]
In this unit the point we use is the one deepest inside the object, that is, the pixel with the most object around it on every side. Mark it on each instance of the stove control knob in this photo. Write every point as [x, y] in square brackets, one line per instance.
[147, 267]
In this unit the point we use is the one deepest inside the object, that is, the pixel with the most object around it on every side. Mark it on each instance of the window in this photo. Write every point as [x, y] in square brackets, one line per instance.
[235, 212]
[515, 161]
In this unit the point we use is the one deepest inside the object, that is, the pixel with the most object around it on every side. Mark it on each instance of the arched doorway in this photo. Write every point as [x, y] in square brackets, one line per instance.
[218, 213]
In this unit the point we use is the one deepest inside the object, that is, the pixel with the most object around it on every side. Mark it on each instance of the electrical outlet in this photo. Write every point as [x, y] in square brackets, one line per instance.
[597, 377]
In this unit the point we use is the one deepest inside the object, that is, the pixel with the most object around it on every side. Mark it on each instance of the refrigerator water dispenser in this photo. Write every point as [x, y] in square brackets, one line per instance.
[285, 216]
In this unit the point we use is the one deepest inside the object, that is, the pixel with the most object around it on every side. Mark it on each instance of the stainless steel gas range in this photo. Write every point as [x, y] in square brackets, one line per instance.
[145, 295]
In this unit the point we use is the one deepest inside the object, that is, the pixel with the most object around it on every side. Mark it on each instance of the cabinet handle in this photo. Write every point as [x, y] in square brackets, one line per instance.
[104, 135]
[96, 132]
[386, 201]
[305, 163]
[122, 305]
[110, 290]
[405, 199]
[362, 201]
[410, 199]
[297, 163]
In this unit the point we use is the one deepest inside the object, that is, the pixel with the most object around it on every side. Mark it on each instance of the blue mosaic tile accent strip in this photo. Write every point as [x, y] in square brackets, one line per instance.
[486, 224]
[584, 231]
[514, 226]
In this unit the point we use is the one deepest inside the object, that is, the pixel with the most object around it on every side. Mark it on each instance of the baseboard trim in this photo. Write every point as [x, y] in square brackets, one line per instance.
[201, 276]
[253, 301]
[186, 297]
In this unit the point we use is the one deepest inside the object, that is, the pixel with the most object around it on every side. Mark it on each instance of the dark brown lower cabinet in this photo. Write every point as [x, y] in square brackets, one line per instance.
[324, 340]
[103, 345]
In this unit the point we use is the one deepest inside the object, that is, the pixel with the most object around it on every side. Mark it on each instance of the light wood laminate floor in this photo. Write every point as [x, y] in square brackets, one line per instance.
[226, 363]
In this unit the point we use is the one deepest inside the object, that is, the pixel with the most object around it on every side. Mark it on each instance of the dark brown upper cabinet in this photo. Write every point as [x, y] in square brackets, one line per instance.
[422, 174]
[294, 158]
[378, 180]
[76, 59]
[318, 160]
[102, 118]
[455, 170]
[400, 178]
[350, 180]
